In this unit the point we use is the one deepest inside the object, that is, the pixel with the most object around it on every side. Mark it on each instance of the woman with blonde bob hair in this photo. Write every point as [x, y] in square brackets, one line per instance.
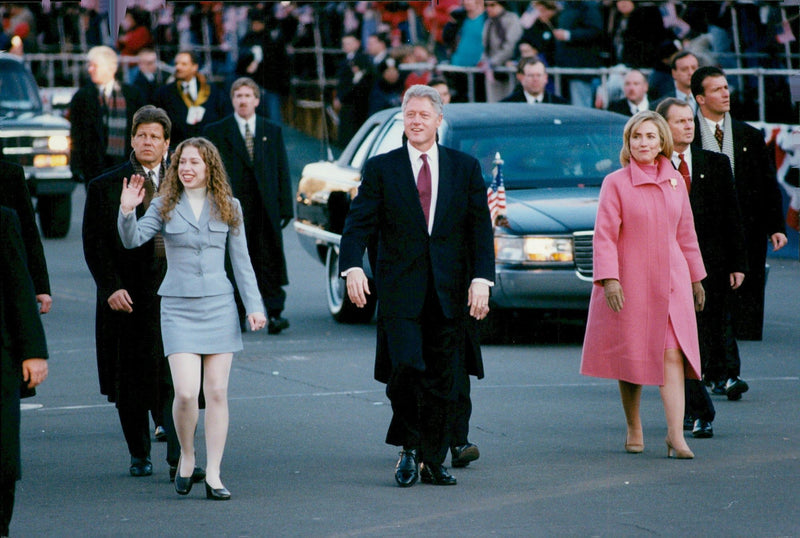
[645, 244]
[200, 221]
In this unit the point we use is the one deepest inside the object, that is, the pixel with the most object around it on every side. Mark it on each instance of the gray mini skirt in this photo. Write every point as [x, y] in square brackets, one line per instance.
[201, 325]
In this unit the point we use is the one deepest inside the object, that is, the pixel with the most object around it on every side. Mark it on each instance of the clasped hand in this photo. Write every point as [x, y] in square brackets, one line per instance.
[257, 321]
[132, 193]
[699, 296]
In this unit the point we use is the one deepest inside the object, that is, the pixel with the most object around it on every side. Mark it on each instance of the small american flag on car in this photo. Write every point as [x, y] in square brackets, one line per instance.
[496, 194]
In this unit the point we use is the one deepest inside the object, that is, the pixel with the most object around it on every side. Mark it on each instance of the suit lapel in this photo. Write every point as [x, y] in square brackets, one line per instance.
[445, 190]
[184, 209]
[407, 184]
[260, 141]
[237, 141]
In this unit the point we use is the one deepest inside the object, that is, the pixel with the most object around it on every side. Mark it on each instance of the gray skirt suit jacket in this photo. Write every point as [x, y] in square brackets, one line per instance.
[198, 312]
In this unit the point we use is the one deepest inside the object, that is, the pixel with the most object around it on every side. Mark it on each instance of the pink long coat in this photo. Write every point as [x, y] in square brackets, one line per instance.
[644, 237]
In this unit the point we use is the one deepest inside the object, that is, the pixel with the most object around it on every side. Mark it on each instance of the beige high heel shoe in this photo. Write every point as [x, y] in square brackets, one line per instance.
[633, 448]
[673, 452]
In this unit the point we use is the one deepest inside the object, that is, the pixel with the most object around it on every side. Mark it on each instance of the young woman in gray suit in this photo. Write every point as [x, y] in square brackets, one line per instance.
[200, 221]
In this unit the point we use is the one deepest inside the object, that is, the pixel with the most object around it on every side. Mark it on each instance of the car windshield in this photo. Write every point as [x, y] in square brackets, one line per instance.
[18, 93]
[543, 156]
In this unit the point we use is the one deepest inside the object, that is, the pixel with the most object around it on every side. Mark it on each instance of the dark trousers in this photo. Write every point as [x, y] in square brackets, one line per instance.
[461, 409]
[719, 352]
[135, 422]
[422, 399]
[7, 491]
[698, 402]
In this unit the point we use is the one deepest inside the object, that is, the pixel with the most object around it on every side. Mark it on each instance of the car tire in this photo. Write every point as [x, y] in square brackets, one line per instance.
[55, 213]
[341, 308]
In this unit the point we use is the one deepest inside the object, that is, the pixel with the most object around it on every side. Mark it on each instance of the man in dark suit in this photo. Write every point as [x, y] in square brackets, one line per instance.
[434, 265]
[191, 100]
[100, 116]
[762, 213]
[532, 77]
[354, 77]
[635, 100]
[135, 377]
[16, 196]
[682, 67]
[718, 223]
[147, 78]
[23, 351]
[255, 158]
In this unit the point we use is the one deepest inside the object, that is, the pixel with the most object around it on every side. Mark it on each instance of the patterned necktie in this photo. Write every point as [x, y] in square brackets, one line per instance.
[249, 141]
[424, 187]
[683, 168]
[719, 135]
[149, 191]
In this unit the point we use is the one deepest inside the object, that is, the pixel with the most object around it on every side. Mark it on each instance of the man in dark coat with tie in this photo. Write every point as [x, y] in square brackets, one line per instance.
[16, 196]
[256, 161]
[532, 78]
[100, 116]
[191, 100]
[23, 351]
[135, 376]
[718, 223]
[759, 201]
[434, 267]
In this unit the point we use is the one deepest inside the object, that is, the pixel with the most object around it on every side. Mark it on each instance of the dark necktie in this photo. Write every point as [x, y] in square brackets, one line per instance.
[149, 192]
[719, 135]
[249, 140]
[185, 86]
[683, 168]
[424, 187]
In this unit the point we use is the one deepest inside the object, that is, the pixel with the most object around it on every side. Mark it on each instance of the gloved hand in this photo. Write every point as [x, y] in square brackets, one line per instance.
[613, 292]
[699, 296]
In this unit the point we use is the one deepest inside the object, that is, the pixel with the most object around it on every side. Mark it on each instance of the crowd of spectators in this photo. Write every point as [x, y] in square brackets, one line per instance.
[252, 38]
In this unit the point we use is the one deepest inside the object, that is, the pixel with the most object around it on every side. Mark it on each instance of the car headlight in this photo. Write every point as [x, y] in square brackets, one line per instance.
[509, 249]
[58, 143]
[52, 143]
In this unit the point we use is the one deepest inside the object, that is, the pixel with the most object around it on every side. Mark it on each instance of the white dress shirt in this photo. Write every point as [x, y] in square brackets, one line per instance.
[241, 122]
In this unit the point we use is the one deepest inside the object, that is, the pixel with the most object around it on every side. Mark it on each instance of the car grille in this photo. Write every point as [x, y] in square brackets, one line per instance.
[583, 254]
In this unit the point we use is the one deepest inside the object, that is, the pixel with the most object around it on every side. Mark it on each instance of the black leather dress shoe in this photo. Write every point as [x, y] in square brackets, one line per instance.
[436, 474]
[460, 456]
[702, 429]
[141, 467]
[734, 387]
[688, 423]
[198, 475]
[406, 471]
[718, 387]
[217, 494]
[277, 324]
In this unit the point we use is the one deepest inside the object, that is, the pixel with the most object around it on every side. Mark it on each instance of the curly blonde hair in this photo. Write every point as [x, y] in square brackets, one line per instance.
[216, 182]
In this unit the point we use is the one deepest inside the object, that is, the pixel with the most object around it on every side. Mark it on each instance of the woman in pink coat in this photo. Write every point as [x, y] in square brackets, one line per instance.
[645, 244]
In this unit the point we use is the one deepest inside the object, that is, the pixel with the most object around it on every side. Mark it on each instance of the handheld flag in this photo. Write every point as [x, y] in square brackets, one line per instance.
[496, 194]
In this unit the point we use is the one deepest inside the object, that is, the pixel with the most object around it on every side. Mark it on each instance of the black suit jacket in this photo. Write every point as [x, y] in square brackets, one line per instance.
[14, 194]
[86, 130]
[761, 206]
[128, 369]
[21, 337]
[518, 96]
[269, 169]
[459, 248]
[169, 98]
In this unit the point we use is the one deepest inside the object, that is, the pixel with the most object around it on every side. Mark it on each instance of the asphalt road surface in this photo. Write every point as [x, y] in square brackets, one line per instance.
[306, 457]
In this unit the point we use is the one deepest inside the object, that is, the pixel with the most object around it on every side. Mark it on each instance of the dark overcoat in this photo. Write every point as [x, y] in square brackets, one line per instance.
[718, 223]
[14, 194]
[458, 249]
[130, 356]
[21, 337]
[170, 99]
[268, 171]
[518, 96]
[88, 155]
[760, 203]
